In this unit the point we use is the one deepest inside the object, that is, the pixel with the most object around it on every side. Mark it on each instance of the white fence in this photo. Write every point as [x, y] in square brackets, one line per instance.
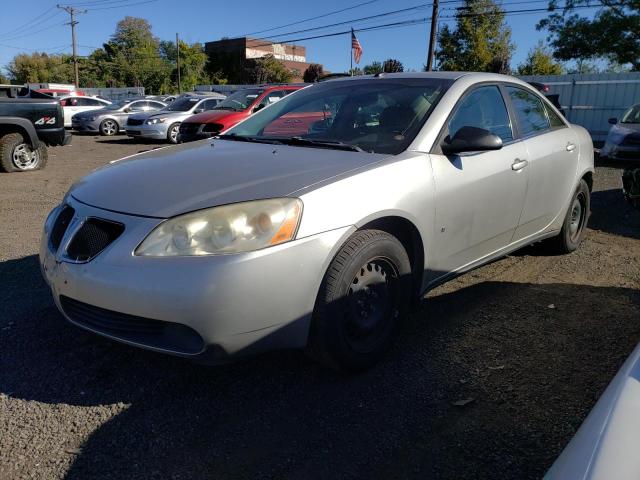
[591, 99]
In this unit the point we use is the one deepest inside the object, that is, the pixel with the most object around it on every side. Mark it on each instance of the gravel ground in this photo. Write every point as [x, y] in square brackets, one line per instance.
[531, 340]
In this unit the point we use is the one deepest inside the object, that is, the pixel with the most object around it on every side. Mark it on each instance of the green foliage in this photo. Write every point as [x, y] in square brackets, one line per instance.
[612, 33]
[539, 62]
[355, 71]
[480, 42]
[373, 68]
[132, 57]
[266, 70]
[313, 73]
[391, 65]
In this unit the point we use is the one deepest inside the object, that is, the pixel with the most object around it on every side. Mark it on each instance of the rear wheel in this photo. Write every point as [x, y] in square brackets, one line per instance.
[172, 133]
[575, 222]
[364, 296]
[108, 127]
[17, 155]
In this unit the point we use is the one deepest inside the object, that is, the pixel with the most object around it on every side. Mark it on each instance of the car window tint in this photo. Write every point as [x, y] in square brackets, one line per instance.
[554, 118]
[155, 105]
[483, 108]
[210, 104]
[530, 111]
[137, 106]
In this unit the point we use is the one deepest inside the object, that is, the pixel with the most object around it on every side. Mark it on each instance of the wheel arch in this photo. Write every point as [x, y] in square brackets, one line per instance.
[19, 125]
[409, 236]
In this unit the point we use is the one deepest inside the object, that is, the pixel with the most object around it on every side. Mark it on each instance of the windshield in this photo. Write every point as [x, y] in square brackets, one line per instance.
[374, 115]
[240, 100]
[183, 104]
[632, 115]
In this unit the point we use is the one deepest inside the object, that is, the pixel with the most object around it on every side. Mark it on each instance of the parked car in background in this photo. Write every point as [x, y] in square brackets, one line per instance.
[606, 445]
[27, 125]
[164, 124]
[113, 118]
[255, 242]
[162, 98]
[235, 108]
[59, 92]
[623, 139]
[75, 104]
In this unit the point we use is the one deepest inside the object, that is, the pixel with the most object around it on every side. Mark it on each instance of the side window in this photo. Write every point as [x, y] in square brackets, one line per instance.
[137, 106]
[271, 97]
[483, 108]
[530, 111]
[210, 104]
[155, 106]
[554, 118]
[89, 102]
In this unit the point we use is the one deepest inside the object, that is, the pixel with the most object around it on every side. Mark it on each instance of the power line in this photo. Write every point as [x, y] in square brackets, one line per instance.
[120, 6]
[311, 18]
[31, 23]
[72, 11]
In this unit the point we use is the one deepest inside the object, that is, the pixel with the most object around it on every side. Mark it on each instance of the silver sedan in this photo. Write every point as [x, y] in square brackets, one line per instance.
[364, 193]
[111, 119]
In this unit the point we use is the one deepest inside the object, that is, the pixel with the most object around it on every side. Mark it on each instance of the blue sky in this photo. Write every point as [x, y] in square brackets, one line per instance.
[205, 20]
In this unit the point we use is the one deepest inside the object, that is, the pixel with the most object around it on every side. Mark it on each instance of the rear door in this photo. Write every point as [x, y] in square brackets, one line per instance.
[479, 195]
[552, 153]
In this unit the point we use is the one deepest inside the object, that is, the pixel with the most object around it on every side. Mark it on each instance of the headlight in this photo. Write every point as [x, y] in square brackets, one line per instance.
[91, 119]
[240, 227]
[153, 121]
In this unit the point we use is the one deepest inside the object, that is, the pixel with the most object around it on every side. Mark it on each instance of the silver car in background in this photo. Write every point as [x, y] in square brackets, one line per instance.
[165, 124]
[623, 140]
[369, 192]
[112, 119]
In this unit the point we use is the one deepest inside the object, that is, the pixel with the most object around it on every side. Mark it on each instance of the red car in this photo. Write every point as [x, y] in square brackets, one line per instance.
[231, 110]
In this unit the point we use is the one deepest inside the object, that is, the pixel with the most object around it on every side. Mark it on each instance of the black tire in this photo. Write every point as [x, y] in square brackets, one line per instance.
[17, 155]
[170, 137]
[365, 295]
[109, 127]
[575, 222]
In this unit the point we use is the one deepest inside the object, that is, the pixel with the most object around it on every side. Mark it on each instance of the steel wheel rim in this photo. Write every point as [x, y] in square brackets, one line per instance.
[24, 158]
[173, 134]
[109, 127]
[576, 222]
[371, 306]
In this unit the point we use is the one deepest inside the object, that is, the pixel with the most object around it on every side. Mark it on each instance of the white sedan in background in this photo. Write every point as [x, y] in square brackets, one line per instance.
[75, 104]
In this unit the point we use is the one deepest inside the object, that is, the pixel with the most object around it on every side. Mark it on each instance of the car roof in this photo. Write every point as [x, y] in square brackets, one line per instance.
[451, 76]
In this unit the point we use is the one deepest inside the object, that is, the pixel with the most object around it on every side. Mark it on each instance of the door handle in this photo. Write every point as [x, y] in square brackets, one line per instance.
[519, 164]
[570, 147]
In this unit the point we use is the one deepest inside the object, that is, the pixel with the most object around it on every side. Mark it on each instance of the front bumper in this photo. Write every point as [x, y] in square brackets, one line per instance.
[237, 304]
[156, 132]
[620, 152]
[85, 125]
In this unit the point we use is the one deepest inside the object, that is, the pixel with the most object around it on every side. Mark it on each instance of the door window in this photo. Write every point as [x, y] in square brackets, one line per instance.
[530, 111]
[483, 108]
[137, 106]
[209, 104]
[554, 118]
[89, 102]
[271, 97]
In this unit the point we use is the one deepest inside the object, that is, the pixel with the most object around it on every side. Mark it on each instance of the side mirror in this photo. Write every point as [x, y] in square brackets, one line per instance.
[198, 110]
[127, 110]
[471, 139]
[613, 121]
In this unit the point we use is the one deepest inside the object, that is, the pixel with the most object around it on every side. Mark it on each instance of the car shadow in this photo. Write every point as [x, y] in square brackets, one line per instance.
[529, 372]
[611, 213]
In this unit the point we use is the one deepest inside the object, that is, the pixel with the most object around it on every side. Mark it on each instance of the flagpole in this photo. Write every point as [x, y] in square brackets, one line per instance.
[351, 53]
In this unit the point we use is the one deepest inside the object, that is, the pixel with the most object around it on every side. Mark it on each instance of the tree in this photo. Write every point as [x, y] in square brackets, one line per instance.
[481, 41]
[313, 73]
[266, 70]
[539, 62]
[40, 68]
[391, 65]
[612, 33]
[193, 61]
[373, 68]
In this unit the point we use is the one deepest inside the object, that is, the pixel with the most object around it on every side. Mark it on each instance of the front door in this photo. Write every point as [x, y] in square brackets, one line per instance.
[479, 195]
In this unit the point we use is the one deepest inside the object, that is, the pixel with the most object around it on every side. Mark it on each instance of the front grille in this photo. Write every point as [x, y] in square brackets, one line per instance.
[60, 227]
[189, 128]
[134, 121]
[153, 333]
[631, 140]
[93, 237]
[213, 128]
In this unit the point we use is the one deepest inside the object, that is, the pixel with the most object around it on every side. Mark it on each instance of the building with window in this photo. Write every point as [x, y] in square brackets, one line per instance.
[233, 52]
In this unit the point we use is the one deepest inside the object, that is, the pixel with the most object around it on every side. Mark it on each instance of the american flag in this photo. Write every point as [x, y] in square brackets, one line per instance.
[355, 46]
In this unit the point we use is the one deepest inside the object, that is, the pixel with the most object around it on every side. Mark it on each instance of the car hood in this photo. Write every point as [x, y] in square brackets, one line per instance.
[175, 180]
[145, 115]
[217, 116]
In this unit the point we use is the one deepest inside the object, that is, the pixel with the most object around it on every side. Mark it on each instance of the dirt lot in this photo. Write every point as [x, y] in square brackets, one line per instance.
[533, 340]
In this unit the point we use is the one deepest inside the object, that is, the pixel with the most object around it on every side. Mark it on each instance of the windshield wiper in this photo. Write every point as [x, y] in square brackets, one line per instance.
[242, 138]
[321, 144]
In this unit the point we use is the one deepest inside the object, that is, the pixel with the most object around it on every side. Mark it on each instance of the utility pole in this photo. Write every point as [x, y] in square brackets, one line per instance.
[432, 40]
[178, 62]
[72, 13]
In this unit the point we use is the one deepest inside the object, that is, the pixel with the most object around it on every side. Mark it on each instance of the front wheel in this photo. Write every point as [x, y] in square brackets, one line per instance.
[108, 127]
[575, 222]
[16, 155]
[364, 296]
[172, 133]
